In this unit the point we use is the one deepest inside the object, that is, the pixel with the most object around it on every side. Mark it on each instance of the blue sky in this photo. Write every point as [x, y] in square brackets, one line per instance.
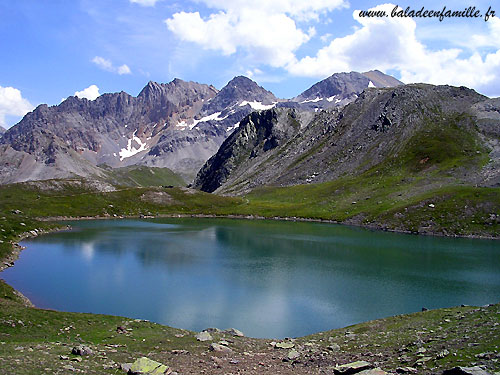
[52, 49]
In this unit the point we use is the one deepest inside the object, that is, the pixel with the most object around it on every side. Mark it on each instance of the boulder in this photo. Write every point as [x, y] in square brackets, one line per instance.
[147, 366]
[81, 350]
[212, 330]
[352, 368]
[293, 354]
[375, 371]
[204, 336]
[334, 347]
[219, 348]
[234, 332]
[406, 370]
[284, 345]
[125, 367]
[476, 370]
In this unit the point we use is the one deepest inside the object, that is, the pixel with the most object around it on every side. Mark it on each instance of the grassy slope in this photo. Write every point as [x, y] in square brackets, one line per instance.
[144, 176]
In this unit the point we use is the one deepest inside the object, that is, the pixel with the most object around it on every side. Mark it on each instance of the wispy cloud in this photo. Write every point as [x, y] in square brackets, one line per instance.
[145, 3]
[107, 65]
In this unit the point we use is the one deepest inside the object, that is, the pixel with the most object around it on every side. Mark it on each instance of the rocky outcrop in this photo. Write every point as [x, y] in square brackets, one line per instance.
[258, 134]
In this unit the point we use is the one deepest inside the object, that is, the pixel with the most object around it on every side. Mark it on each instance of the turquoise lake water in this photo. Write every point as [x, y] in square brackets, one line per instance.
[265, 278]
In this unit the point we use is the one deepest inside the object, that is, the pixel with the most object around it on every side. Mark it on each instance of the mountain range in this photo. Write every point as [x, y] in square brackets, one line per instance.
[437, 134]
[178, 125]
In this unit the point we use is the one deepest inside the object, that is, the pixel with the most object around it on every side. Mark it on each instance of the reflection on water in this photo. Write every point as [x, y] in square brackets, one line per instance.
[266, 278]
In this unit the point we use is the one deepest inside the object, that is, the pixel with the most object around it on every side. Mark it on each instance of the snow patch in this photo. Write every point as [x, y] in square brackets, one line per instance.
[257, 105]
[131, 150]
[330, 99]
[371, 84]
[311, 100]
[213, 117]
[231, 128]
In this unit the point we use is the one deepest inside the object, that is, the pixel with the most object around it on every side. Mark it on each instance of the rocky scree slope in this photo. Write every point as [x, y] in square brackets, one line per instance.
[414, 128]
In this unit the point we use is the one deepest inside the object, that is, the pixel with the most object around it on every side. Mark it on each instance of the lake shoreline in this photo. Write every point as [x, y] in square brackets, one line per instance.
[17, 247]
[372, 226]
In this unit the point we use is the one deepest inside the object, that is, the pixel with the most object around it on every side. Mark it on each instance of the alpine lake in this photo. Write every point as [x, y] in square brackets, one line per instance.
[266, 278]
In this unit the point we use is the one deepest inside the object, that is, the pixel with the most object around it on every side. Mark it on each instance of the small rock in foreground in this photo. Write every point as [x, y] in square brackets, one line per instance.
[204, 336]
[147, 366]
[375, 371]
[234, 332]
[284, 345]
[219, 348]
[81, 350]
[125, 367]
[352, 368]
[476, 370]
[293, 354]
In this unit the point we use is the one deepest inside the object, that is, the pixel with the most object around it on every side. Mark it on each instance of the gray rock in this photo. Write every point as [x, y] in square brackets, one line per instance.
[212, 330]
[81, 350]
[125, 367]
[442, 353]
[214, 347]
[422, 360]
[334, 347]
[234, 332]
[144, 365]
[375, 371]
[406, 370]
[284, 345]
[204, 336]
[352, 368]
[476, 370]
[293, 354]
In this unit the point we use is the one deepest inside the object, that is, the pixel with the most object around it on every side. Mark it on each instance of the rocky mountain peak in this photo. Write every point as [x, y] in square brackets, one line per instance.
[341, 88]
[238, 90]
[151, 91]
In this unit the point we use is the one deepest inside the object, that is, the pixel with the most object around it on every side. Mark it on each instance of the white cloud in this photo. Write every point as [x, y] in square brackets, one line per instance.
[124, 69]
[90, 93]
[265, 30]
[391, 43]
[145, 3]
[103, 63]
[12, 103]
[107, 65]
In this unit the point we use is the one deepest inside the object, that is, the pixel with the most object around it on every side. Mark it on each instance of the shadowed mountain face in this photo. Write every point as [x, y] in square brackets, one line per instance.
[411, 128]
[178, 125]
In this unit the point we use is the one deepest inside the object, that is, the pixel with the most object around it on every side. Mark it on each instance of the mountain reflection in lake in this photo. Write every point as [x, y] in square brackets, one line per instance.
[266, 278]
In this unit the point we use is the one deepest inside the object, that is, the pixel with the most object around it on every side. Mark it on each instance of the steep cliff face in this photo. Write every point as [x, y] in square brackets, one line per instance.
[412, 127]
